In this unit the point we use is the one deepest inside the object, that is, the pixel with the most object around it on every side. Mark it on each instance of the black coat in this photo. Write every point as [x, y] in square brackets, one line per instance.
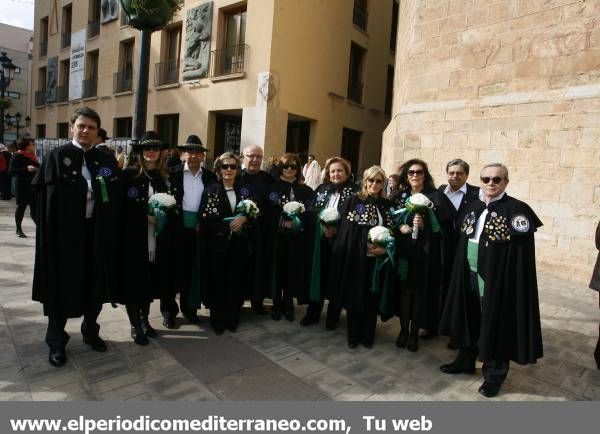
[595, 282]
[349, 270]
[23, 178]
[319, 249]
[285, 253]
[140, 280]
[227, 255]
[60, 279]
[509, 311]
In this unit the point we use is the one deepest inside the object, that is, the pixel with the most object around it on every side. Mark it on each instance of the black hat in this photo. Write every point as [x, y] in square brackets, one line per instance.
[193, 142]
[102, 133]
[150, 138]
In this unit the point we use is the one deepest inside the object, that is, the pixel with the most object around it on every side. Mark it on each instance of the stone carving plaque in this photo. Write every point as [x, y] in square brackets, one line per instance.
[52, 79]
[198, 27]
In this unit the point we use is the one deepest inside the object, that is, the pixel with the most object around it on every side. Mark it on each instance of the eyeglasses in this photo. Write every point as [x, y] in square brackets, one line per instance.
[495, 180]
[375, 181]
[290, 167]
[415, 172]
[228, 166]
[253, 157]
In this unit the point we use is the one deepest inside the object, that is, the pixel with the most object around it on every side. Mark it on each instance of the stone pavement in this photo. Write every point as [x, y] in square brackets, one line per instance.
[268, 360]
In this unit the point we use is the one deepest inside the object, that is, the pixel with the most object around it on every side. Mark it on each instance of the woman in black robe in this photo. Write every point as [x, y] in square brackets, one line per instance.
[331, 194]
[418, 282]
[287, 240]
[226, 240]
[23, 166]
[351, 282]
[147, 255]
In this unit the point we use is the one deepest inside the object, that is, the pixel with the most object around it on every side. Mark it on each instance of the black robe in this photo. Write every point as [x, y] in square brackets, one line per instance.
[227, 255]
[60, 279]
[5, 176]
[424, 264]
[285, 253]
[320, 250]
[140, 280]
[508, 315]
[350, 267]
[23, 178]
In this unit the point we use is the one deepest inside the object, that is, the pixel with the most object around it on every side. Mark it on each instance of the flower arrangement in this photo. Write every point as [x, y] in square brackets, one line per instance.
[416, 204]
[247, 208]
[158, 205]
[381, 236]
[293, 208]
[291, 212]
[329, 217]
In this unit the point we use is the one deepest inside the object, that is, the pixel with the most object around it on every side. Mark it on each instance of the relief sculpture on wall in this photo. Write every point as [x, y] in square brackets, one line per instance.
[197, 41]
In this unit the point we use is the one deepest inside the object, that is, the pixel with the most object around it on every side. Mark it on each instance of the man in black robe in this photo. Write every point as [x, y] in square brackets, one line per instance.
[492, 308]
[259, 181]
[454, 198]
[77, 192]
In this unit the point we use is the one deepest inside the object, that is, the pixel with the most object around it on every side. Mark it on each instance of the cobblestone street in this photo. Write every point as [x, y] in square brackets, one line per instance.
[268, 360]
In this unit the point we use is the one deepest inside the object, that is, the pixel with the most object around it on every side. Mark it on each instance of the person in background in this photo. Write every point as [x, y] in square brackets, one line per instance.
[174, 157]
[311, 172]
[595, 285]
[101, 143]
[121, 157]
[5, 157]
[273, 167]
[392, 185]
[23, 166]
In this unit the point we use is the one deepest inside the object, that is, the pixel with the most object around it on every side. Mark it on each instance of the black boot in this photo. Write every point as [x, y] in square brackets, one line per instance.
[403, 336]
[137, 334]
[146, 327]
[413, 338]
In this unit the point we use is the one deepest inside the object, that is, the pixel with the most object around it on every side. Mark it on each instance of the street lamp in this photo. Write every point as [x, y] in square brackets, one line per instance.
[7, 72]
[15, 121]
[146, 16]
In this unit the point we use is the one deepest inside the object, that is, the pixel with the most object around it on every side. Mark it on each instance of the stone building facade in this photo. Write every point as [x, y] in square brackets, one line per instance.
[512, 81]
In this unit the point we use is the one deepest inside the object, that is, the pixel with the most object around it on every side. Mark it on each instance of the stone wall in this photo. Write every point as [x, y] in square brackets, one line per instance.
[514, 81]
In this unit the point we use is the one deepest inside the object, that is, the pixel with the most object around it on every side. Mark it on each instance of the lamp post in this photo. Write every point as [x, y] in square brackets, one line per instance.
[146, 16]
[7, 72]
[15, 121]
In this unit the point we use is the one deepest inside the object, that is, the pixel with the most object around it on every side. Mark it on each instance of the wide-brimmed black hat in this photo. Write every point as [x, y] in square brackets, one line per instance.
[193, 142]
[150, 139]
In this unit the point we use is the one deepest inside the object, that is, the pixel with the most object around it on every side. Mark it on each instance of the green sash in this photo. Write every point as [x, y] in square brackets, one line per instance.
[190, 219]
[472, 259]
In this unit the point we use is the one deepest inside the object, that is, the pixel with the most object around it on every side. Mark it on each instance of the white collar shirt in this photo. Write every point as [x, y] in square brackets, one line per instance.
[456, 197]
[193, 187]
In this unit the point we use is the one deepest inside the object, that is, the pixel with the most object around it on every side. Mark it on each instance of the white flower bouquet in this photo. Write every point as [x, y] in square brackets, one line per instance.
[416, 204]
[330, 217]
[247, 208]
[380, 236]
[291, 212]
[293, 208]
[158, 206]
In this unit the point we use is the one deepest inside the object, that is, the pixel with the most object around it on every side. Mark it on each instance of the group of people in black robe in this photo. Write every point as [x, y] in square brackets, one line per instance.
[462, 266]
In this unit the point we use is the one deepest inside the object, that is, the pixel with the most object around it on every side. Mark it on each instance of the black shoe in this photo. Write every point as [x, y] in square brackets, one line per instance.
[352, 345]
[413, 341]
[169, 321]
[275, 314]
[138, 335]
[308, 321]
[148, 330]
[96, 343]
[453, 368]
[427, 334]
[289, 316]
[489, 390]
[21, 234]
[57, 357]
[402, 339]
[192, 317]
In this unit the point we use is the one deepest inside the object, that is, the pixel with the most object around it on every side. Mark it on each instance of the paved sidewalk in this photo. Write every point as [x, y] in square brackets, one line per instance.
[268, 360]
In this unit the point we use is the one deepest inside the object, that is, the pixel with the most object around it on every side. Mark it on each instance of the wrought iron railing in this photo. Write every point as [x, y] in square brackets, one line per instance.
[89, 88]
[227, 61]
[123, 81]
[360, 17]
[355, 91]
[93, 29]
[62, 93]
[40, 98]
[166, 72]
[65, 40]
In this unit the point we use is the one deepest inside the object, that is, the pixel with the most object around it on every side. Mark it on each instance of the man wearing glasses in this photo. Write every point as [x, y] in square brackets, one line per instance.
[259, 181]
[492, 308]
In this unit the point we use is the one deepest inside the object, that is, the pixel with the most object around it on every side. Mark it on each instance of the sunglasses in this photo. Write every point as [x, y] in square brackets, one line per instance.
[290, 167]
[228, 166]
[375, 181]
[415, 173]
[495, 180]
[152, 148]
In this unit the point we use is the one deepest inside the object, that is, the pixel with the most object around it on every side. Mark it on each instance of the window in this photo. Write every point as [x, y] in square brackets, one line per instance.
[167, 127]
[123, 79]
[167, 71]
[394, 33]
[43, 36]
[355, 73]
[62, 92]
[351, 147]
[93, 28]
[40, 94]
[90, 84]
[123, 127]
[389, 90]
[17, 70]
[62, 130]
[230, 58]
[124, 18]
[67, 19]
[360, 15]
[13, 95]
[40, 131]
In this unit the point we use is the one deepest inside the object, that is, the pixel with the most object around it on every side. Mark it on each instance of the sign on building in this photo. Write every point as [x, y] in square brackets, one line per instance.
[77, 67]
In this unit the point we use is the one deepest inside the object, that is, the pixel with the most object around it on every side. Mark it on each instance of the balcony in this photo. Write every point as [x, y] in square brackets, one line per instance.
[89, 88]
[93, 29]
[360, 18]
[228, 61]
[43, 48]
[62, 93]
[166, 72]
[65, 40]
[123, 81]
[40, 97]
[355, 91]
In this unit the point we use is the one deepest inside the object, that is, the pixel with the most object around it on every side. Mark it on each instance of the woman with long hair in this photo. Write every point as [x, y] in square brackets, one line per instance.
[418, 287]
[330, 195]
[286, 237]
[23, 166]
[355, 282]
[225, 233]
[148, 247]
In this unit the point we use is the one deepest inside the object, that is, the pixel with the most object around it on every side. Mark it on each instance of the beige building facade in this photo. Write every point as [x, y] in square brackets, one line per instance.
[511, 81]
[306, 76]
[17, 43]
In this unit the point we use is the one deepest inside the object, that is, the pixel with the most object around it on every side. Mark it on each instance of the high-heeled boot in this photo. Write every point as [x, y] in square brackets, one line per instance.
[137, 334]
[413, 338]
[148, 330]
[403, 336]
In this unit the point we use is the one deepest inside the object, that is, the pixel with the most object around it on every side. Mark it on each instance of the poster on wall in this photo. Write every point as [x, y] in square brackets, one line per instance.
[77, 67]
[198, 29]
[110, 10]
[52, 79]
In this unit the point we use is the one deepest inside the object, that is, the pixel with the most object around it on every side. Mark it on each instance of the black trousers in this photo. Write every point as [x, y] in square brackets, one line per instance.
[313, 312]
[361, 325]
[57, 337]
